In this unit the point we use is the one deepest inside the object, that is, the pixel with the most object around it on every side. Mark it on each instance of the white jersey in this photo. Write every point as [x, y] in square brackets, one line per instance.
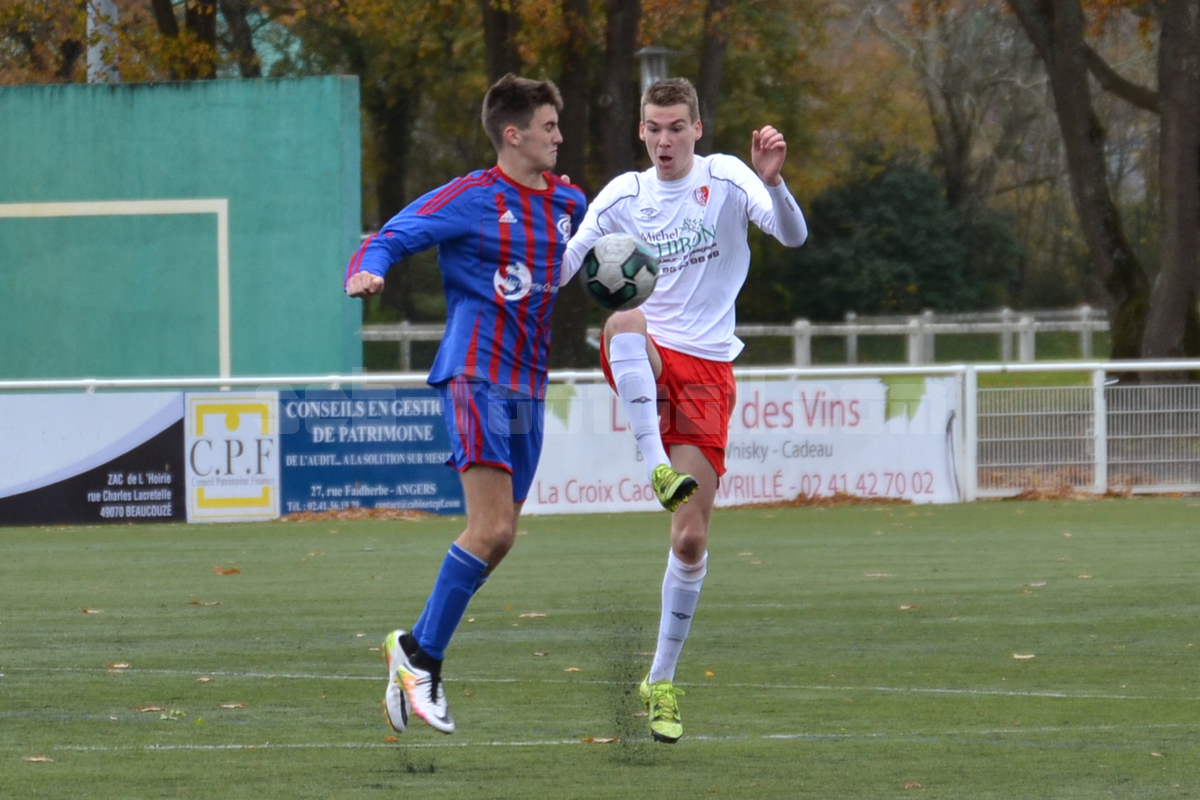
[697, 228]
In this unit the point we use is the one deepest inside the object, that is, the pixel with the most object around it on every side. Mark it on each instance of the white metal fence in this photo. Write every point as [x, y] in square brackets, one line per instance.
[1140, 437]
[919, 333]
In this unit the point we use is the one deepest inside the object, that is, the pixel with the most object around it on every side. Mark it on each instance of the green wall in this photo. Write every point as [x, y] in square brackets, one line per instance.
[137, 296]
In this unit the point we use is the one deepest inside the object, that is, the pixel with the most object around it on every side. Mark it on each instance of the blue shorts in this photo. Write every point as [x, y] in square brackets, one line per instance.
[495, 426]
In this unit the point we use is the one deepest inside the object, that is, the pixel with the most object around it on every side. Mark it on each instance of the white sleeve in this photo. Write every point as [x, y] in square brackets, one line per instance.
[790, 228]
[771, 208]
[596, 223]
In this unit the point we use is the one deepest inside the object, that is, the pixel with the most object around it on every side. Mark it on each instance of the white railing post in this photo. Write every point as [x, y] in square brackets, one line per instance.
[1026, 348]
[1085, 332]
[801, 343]
[928, 346]
[405, 347]
[970, 461]
[916, 337]
[1100, 433]
[851, 340]
[1006, 334]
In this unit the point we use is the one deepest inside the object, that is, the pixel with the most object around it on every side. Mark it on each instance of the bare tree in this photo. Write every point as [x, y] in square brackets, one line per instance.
[1056, 30]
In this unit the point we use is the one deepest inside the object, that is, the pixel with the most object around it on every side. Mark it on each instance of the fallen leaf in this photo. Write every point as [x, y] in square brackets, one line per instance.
[470, 619]
[93, 611]
[745, 554]
[391, 739]
[539, 654]
[1024, 656]
[468, 693]
[1085, 577]
[909, 607]
[1157, 755]
[1066, 535]
[119, 665]
[571, 669]
[359, 635]
[1038, 584]
[233, 705]
[709, 674]
[39, 759]
[204, 679]
[600, 739]
[532, 615]
[174, 713]
[912, 785]
[226, 570]
[205, 604]
[150, 709]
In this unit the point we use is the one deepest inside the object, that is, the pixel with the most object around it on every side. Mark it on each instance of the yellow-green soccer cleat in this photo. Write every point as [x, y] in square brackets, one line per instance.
[672, 488]
[660, 699]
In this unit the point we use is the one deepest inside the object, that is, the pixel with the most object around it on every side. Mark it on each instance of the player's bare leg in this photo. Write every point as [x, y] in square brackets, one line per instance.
[415, 659]
[636, 366]
[687, 564]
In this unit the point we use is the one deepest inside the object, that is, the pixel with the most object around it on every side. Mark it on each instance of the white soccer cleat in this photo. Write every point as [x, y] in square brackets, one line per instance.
[395, 700]
[419, 691]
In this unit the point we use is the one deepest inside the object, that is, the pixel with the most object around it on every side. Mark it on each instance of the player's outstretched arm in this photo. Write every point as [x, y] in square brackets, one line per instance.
[768, 149]
[364, 284]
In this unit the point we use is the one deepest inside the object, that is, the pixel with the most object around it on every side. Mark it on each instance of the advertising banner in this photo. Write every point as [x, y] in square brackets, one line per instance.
[89, 458]
[232, 445]
[875, 438]
[377, 448]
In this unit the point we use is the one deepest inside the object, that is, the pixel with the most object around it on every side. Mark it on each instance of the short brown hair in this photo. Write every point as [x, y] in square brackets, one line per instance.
[514, 101]
[672, 92]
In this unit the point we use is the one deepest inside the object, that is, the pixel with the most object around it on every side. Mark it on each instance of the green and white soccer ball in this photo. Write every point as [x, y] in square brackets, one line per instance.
[619, 272]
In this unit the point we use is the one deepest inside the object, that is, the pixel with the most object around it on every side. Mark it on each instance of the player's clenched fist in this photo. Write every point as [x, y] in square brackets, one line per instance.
[364, 284]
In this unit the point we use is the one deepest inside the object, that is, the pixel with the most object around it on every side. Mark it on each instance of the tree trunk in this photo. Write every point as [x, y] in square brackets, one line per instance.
[618, 101]
[1055, 27]
[569, 331]
[712, 62]
[249, 64]
[1173, 298]
[393, 113]
[200, 19]
[500, 27]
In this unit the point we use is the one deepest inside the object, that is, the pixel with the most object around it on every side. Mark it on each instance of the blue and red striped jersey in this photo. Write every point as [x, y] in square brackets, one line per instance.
[500, 248]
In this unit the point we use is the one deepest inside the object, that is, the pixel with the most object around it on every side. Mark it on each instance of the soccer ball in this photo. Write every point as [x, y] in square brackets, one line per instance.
[619, 272]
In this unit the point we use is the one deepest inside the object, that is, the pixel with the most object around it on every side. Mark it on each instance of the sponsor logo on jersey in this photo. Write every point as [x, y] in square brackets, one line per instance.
[514, 282]
[508, 217]
[564, 226]
[701, 195]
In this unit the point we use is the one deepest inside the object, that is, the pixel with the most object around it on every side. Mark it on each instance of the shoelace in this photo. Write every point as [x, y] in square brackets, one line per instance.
[664, 701]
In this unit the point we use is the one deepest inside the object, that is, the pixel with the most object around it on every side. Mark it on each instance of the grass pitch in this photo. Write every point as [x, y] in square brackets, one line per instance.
[994, 650]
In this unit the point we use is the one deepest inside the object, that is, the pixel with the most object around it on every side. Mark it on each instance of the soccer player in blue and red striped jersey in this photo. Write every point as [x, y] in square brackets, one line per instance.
[500, 234]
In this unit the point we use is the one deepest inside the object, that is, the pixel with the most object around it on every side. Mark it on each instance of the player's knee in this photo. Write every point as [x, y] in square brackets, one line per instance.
[689, 544]
[633, 321]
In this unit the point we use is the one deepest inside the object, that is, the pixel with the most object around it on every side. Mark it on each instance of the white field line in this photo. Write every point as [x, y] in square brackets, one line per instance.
[566, 681]
[810, 737]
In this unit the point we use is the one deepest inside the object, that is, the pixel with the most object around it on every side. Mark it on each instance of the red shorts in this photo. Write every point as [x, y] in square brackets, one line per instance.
[695, 401]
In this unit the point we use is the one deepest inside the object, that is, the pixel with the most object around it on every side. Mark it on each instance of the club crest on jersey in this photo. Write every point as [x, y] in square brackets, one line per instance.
[564, 226]
[513, 282]
[701, 195]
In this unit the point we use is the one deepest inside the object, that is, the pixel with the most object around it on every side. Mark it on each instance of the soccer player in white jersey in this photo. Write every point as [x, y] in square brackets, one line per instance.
[693, 211]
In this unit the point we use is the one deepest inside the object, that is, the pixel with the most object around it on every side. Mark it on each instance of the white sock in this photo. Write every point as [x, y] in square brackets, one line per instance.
[680, 594]
[634, 378]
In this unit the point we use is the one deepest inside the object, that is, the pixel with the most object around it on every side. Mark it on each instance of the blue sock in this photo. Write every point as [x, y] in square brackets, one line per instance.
[456, 583]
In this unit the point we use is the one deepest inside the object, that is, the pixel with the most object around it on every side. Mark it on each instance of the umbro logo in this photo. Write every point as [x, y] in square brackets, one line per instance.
[508, 216]
[680, 615]
[648, 213]
[640, 400]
